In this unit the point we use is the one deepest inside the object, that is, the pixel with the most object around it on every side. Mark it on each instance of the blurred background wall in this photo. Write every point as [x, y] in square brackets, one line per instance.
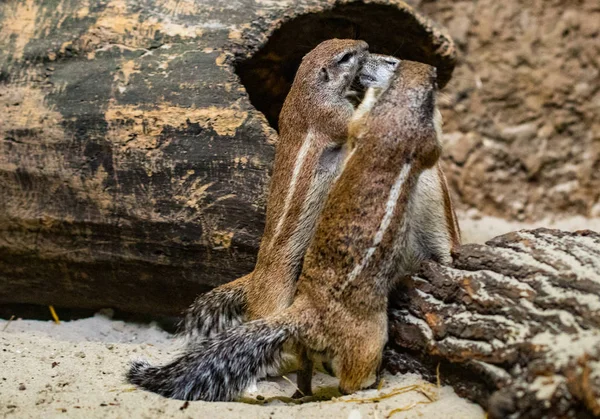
[522, 113]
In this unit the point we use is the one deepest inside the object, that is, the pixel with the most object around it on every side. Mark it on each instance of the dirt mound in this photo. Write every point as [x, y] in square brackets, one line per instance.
[521, 114]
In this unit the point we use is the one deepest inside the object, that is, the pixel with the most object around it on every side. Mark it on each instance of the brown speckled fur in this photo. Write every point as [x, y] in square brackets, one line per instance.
[339, 311]
[320, 108]
[347, 319]
[317, 105]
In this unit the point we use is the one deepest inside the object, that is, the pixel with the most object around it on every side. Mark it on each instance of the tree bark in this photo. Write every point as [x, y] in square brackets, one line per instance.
[517, 319]
[133, 161]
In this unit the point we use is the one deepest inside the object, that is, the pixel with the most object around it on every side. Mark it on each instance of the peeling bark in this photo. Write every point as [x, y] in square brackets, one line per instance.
[517, 319]
[133, 161]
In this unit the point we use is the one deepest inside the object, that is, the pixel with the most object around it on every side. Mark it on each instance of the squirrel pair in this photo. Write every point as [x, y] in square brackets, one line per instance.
[357, 200]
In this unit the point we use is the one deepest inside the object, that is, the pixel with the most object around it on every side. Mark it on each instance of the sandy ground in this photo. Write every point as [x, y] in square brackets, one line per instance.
[75, 369]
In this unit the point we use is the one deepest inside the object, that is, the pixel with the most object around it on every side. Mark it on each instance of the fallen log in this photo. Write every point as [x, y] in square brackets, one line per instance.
[513, 325]
[134, 147]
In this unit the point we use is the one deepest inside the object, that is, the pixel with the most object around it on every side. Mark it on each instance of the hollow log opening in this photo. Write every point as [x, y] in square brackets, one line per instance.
[388, 29]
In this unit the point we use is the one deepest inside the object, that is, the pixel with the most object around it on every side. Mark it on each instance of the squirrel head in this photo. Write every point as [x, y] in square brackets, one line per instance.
[402, 110]
[319, 98]
[376, 71]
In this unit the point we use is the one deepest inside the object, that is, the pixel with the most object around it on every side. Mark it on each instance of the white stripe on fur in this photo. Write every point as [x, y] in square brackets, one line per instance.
[292, 189]
[390, 206]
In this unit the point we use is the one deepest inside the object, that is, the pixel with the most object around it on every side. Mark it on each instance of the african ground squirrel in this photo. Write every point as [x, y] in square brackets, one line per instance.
[435, 212]
[313, 128]
[362, 246]
[300, 162]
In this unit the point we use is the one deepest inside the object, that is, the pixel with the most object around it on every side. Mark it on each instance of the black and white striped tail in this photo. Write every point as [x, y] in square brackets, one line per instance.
[214, 312]
[218, 369]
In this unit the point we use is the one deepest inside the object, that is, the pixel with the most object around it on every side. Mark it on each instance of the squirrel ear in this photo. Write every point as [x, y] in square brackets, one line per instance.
[324, 74]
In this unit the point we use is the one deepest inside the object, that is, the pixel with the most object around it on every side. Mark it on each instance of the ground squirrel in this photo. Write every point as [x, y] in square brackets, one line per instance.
[313, 127]
[361, 248]
[434, 211]
[267, 290]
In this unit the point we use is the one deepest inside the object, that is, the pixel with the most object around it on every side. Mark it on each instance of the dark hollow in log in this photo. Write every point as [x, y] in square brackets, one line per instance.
[388, 29]
[133, 164]
[514, 324]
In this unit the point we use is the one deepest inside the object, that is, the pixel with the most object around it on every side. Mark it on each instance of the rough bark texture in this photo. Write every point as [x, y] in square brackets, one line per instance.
[133, 162]
[518, 318]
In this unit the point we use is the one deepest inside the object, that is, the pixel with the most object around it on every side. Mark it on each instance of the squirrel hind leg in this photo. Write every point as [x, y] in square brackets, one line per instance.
[304, 377]
[359, 374]
[358, 366]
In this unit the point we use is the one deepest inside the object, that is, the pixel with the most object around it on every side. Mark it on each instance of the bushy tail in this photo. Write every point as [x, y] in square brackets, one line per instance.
[216, 311]
[219, 369]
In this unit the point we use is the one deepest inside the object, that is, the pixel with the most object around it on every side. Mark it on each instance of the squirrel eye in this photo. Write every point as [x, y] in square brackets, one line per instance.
[345, 58]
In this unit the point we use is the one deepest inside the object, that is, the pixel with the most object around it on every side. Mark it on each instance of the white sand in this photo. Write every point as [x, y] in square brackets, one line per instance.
[76, 369]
